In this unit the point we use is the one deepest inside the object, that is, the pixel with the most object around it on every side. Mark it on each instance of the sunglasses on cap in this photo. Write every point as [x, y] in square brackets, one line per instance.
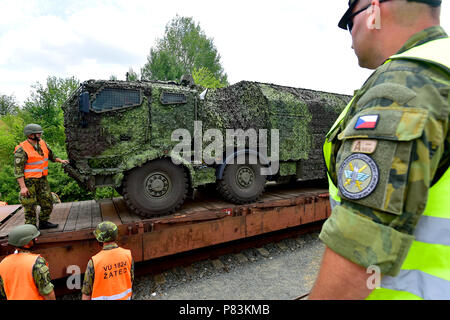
[349, 22]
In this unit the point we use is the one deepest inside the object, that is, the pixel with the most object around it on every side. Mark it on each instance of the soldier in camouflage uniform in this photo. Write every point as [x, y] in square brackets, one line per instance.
[22, 238]
[34, 191]
[106, 233]
[390, 147]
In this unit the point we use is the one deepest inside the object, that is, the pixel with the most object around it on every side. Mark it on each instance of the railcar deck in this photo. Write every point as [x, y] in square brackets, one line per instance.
[202, 222]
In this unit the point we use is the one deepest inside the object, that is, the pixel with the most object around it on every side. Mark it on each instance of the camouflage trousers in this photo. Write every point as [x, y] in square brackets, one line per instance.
[40, 194]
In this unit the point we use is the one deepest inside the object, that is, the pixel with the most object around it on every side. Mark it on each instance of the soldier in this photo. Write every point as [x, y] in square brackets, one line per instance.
[16, 280]
[388, 159]
[110, 273]
[31, 170]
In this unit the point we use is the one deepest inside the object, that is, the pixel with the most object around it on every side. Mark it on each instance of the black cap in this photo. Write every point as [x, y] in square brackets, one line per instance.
[343, 22]
[352, 3]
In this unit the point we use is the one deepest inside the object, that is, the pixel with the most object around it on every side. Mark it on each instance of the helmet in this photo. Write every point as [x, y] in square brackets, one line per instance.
[32, 128]
[21, 235]
[106, 231]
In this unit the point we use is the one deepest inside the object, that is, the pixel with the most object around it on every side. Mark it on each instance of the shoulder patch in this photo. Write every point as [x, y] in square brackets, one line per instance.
[358, 176]
[364, 146]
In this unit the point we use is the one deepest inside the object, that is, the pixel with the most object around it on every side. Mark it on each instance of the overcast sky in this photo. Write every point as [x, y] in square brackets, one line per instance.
[287, 42]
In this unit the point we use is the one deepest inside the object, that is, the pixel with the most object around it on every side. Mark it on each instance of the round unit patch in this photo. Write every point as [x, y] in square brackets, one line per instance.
[358, 176]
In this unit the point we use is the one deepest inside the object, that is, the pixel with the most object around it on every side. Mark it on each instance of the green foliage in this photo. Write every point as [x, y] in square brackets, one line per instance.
[9, 189]
[44, 107]
[131, 75]
[162, 65]
[8, 105]
[205, 78]
[184, 48]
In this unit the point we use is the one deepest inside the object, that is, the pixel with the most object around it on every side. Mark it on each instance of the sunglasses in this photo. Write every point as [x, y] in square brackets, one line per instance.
[354, 14]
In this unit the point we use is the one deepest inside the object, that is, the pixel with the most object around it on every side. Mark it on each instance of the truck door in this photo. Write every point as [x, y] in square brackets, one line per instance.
[172, 108]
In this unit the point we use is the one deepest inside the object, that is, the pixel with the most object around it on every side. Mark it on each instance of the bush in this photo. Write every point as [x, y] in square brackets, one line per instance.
[9, 188]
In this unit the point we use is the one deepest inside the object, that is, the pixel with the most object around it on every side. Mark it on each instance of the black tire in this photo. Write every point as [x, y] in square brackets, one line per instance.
[244, 190]
[157, 188]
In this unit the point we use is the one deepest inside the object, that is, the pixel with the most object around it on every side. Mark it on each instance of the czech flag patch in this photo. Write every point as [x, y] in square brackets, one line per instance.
[367, 122]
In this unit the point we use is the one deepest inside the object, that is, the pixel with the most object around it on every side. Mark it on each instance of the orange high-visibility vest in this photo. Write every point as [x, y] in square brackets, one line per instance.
[112, 279]
[16, 271]
[36, 165]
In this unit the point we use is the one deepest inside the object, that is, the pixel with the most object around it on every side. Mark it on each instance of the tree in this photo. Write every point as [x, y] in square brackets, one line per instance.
[8, 105]
[203, 77]
[44, 106]
[131, 75]
[183, 49]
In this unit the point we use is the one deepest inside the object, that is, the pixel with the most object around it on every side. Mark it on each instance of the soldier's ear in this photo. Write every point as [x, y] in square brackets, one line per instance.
[374, 16]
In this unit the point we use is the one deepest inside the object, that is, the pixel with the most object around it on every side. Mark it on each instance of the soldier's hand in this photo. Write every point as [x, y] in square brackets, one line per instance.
[64, 161]
[24, 192]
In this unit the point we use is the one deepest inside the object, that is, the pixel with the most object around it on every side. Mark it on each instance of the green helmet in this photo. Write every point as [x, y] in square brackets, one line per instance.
[106, 231]
[32, 128]
[21, 235]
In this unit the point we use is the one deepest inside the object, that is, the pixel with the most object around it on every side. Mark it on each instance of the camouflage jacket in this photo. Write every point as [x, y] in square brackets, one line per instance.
[396, 130]
[89, 275]
[41, 276]
[20, 158]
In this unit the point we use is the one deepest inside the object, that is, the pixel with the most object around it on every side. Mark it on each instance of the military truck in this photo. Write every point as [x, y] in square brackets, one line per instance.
[124, 135]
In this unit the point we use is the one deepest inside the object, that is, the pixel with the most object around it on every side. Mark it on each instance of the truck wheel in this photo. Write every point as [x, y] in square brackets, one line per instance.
[242, 183]
[157, 188]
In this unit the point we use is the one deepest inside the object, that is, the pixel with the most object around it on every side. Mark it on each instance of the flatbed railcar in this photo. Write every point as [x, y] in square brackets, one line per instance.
[207, 221]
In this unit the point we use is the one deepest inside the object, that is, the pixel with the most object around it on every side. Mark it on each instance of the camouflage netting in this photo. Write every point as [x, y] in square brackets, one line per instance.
[302, 116]
[240, 106]
[117, 140]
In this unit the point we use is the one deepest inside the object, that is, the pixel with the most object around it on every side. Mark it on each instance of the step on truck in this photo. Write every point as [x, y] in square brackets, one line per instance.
[156, 142]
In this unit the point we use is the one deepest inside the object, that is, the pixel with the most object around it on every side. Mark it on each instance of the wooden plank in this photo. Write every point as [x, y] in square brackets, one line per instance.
[8, 211]
[84, 217]
[109, 212]
[16, 220]
[72, 218]
[280, 195]
[266, 197]
[125, 214]
[191, 206]
[209, 205]
[290, 193]
[96, 215]
[217, 204]
[59, 216]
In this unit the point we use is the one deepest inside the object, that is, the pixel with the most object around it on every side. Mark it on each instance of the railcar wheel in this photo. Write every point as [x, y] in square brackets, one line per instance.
[157, 188]
[242, 183]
